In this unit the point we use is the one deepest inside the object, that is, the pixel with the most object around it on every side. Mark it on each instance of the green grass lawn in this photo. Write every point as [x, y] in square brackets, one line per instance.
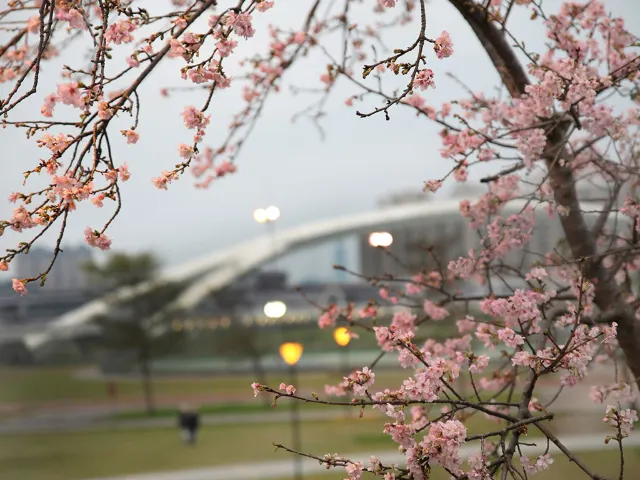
[83, 455]
[606, 464]
[75, 456]
[255, 406]
[46, 384]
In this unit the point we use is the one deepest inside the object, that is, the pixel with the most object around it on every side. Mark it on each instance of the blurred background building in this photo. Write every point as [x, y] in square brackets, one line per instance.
[68, 273]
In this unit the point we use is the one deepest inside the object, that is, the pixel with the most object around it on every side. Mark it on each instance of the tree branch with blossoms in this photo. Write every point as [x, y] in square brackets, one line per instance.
[551, 314]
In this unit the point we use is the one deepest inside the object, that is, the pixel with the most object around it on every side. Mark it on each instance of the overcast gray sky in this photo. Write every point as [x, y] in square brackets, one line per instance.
[283, 163]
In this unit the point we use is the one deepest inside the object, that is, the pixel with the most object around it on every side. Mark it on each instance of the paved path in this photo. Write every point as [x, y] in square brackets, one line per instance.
[284, 468]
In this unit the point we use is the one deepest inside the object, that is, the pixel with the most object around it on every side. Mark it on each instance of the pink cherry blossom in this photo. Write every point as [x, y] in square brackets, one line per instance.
[363, 379]
[96, 239]
[131, 135]
[542, 463]
[104, 111]
[185, 151]
[21, 219]
[120, 32]
[176, 49]
[424, 79]
[163, 180]
[194, 118]
[132, 61]
[69, 189]
[289, 389]
[257, 388]
[4, 266]
[537, 273]
[241, 23]
[264, 5]
[354, 470]
[18, 286]
[384, 294]
[33, 24]
[72, 16]
[443, 443]
[226, 46]
[478, 465]
[368, 312]
[478, 364]
[225, 168]
[510, 338]
[433, 185]
[621, 419]
[49, 105]
[328, 318]
[299, 38]
[524, 359]
[443, 45]
[98, 199]
[123, 172]
[70, 94]
[434, 311]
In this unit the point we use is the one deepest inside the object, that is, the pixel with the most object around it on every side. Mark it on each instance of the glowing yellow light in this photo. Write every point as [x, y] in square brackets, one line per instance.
[291, 352]
[342, 336]
[260, 215]
[380, 239]
[275, 309]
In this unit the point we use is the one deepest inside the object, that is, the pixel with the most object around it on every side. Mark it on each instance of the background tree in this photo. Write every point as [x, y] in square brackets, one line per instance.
[136, 324]
[122, 269]
[240, 340]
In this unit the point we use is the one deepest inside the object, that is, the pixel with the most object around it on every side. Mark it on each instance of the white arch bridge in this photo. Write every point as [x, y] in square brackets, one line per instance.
[211, 273]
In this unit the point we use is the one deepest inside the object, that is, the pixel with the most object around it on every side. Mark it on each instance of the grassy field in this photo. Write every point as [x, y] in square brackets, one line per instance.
[82, 455]
[235, 408]
[91, 454]
[75, 456]
[606, 464]
[29, 385]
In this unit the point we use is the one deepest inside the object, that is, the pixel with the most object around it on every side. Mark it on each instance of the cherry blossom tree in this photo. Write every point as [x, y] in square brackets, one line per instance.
[567, 112]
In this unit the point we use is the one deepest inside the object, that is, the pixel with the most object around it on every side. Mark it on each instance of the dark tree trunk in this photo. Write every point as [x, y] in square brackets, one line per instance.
[258, 369]
[581, 240]
[147, 381]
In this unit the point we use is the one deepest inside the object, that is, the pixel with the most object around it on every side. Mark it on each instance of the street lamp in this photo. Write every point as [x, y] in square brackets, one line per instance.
[342, 337]
[275, 309]
[266, 215]
[291, 353]
[273, 213]
[380, 239]
[260, 215]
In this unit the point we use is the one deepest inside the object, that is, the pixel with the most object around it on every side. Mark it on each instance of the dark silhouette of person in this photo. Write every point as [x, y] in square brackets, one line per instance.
[189, 422]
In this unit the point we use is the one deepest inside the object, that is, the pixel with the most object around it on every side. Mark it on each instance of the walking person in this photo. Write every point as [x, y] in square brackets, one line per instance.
[189, 422]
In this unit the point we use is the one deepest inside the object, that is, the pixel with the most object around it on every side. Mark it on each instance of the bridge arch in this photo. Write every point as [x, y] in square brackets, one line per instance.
[213, 272]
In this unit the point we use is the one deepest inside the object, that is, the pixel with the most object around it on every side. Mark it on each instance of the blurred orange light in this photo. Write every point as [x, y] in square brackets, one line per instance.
[342, 336]
[291, 352]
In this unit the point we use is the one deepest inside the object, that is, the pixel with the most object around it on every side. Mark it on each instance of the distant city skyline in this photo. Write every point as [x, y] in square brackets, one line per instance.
[68, 272]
